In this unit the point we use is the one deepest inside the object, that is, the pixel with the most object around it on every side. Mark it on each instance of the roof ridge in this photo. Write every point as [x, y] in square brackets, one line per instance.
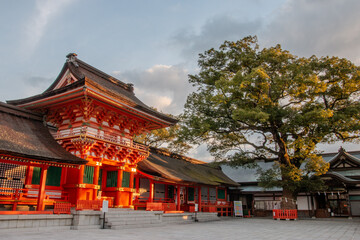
[72, 58]
[21, 112]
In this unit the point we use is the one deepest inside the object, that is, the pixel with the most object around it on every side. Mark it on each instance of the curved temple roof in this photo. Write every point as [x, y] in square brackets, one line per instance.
[177, 168]
[23, 134]
[90, 77]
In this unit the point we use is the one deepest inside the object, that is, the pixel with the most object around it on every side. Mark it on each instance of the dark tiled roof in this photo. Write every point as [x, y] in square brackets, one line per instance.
[23, 134]
[92, 77]
[182, 169]
[341, 177]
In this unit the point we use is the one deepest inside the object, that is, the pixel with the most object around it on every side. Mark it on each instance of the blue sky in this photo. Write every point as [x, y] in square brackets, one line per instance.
[155, 44]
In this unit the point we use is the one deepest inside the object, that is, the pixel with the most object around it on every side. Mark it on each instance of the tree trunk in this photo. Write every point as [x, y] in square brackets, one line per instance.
[288, 200]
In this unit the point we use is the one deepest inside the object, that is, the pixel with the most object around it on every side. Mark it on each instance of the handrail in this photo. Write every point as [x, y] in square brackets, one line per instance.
[24, 193]
[90, 132]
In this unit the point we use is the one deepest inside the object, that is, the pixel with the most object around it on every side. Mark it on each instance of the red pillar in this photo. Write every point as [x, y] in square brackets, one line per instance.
[118, 186]
[199, 199]
[137, 186]
[96, 181]
[80, 180]
[178, 198]
[151, 193]
[29, 175]
[131, 186]
[41, 195]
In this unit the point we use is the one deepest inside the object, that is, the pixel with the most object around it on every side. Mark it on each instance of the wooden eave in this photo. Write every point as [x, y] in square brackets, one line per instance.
[22, 159]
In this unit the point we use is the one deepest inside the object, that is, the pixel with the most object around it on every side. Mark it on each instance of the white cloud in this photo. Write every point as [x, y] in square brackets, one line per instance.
[213, 33]
[164, 87]
[46, 10]
[317, 27]
[152, 99]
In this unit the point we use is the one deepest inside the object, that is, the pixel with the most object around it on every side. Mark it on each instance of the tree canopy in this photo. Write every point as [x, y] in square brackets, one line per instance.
[271, 105]
[165, 138]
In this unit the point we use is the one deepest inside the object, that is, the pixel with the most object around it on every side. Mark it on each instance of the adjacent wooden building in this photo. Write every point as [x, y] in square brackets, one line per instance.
[341, 199]
[180, 182]
[33, 166]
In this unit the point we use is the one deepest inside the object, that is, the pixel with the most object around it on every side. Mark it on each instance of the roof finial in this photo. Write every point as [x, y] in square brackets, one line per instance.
[341, 149]
[130, 87]
[71, 57]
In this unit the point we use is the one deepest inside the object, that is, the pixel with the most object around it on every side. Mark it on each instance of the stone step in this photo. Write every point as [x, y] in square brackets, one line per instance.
[112, 220]
[120, 219]
[133, 221]
[136, 226]
[116, 213]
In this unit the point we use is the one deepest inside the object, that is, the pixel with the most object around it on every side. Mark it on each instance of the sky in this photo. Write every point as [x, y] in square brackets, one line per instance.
[155, 44]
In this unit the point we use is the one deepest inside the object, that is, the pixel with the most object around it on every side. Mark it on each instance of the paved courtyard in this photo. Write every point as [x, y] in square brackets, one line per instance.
[226, 229]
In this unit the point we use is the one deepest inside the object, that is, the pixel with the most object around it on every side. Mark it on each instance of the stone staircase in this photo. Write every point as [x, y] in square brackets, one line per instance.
[118, 218]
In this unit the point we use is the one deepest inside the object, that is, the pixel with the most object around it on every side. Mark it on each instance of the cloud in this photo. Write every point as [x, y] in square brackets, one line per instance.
[161, 86]
[213, 33]
[46, 10]
[317, 27]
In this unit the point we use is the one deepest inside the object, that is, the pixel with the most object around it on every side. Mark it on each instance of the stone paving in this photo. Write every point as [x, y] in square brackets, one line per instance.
[220, 230]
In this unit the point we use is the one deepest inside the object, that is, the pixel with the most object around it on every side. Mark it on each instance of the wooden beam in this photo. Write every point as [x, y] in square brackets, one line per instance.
[41, 195]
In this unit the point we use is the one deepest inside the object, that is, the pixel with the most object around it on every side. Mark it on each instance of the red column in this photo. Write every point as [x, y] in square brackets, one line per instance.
[80, 180]
[151, 193]
[137, 185]
[118, 186]
[178, 198]
[131, 186]
[29, 175]
[96, 181]
[41, 195]
[199, 199]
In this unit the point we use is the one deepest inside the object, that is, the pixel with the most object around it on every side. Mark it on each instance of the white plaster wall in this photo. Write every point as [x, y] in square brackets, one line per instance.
[302, 203]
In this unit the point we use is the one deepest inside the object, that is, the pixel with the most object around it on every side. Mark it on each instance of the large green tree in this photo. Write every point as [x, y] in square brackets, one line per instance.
[253, 104]
[164, 138]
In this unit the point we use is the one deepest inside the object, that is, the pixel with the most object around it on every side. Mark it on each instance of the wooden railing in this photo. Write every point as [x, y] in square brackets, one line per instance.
[28, 196]
[62, 208]
[285, 214]
[91, 132]
[88, 205]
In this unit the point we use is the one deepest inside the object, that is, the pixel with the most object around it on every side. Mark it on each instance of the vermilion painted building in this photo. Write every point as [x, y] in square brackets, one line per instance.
[95, 117]
[32, 163]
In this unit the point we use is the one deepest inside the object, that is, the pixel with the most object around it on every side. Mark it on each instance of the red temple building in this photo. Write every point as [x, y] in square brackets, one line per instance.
[94, 117]
[32, 163]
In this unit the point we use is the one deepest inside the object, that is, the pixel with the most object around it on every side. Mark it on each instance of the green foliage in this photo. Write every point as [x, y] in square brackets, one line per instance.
[268, 104]
[164, 138]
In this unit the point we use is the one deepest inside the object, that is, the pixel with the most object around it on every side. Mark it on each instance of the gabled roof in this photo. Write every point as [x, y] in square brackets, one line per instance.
[87, 76]
[342, 157]
[341, 178]
[24, 135]
[174, 167]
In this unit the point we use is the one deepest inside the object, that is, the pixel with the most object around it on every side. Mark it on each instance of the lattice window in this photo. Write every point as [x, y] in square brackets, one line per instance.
[88, 174]
[190, 194]
[53, 177]
[111, 178]
[126, 179]
[12, 176]
[221, 193]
